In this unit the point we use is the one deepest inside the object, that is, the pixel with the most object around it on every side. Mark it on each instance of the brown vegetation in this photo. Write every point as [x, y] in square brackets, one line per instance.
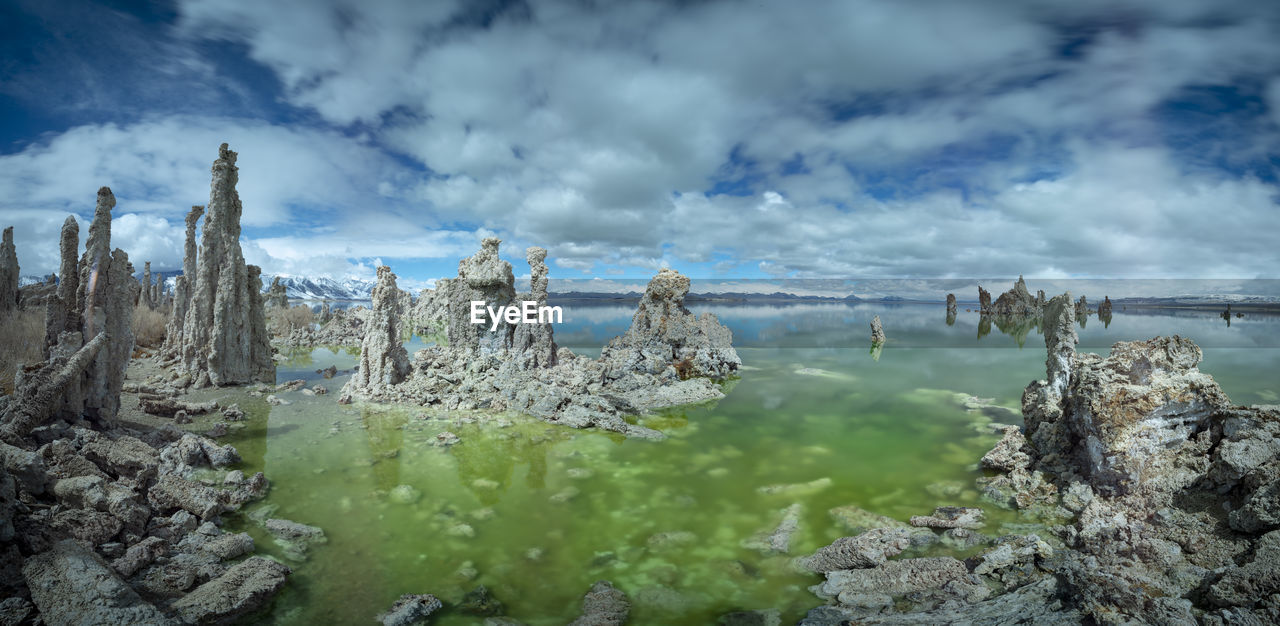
[21, 342]
[282, 321]
[149, 326]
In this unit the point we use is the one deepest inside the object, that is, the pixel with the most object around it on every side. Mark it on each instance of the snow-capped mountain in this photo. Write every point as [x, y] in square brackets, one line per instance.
[23, 281]
[320, 288]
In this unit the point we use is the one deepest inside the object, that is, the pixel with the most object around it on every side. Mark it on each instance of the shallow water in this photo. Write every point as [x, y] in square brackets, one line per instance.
[536, 513]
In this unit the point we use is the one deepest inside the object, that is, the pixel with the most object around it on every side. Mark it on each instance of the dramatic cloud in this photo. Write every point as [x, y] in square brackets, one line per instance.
[874, 138]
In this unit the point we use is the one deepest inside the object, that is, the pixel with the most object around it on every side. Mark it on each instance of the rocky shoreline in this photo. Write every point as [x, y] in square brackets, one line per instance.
[1168, 492]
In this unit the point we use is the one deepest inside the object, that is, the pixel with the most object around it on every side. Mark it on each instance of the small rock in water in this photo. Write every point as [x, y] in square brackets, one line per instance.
[410, 609]
[481, 515]
[810, 487]
[181, 417]
[565, 495]
[461, 530]
[218, 430]
[951, 517]
[233, 413]
[480, 602]
[447, 438]
[671, 539]
[404, 494]
[328, 372]
[534, 554]
[320, 390]
[484, 483]
[579, 472]
[767, 617]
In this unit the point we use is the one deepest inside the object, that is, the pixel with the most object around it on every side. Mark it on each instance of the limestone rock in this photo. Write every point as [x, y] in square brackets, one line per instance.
[225, 341]
[148, 294]
[1104, 309]
[869, 549]
[951, 304]
[411, 609]
[70, 584]
[277, 295]
[247, 587]
[1082, 307]
[984, 301]
[950, 517]
[486, 278]
[1017, 302]
[534, 345]
[892, 578]
[604, 605]
[663, 333]
[173, 338]
[9, 273]
[383, 360]
[877, 331]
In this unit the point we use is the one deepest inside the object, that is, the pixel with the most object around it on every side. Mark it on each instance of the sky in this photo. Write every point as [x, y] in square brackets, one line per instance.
[730, 140]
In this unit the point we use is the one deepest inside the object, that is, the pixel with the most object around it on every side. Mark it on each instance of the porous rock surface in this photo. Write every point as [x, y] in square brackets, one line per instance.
[9, 273]
[1170, 496]
[604, 605]
[173, 339]
[224, 336]
[877, 331]
[383, 360]
[667, 357]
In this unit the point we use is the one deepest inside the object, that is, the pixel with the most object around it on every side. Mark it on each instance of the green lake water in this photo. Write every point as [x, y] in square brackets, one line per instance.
[536, 512]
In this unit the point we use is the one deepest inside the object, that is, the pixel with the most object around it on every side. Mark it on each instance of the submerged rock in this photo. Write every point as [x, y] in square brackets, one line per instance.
[410, 609]
[604, 605]
[869, 549]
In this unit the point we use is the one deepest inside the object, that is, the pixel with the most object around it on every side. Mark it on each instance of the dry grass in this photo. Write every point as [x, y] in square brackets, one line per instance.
[281, 321]
[21, 342]
[149, 326]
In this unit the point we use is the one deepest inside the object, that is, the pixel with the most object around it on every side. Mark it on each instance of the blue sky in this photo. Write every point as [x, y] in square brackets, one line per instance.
[725, 139]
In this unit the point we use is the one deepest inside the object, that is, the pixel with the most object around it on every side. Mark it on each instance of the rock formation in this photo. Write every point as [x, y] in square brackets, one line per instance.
[984, 301]
[224, 331]
[277, 294]
[534, 344]
[95, 297]
[113, 526]
[1017, 301]
[668, 357]
[9, 273]
[1105, 310]
[383, 360]
[147, 290]
[951, 304]
[664, 334]
[1082, 307]
[157, 290]
[485, 278]
[173, 338]
[877, 331]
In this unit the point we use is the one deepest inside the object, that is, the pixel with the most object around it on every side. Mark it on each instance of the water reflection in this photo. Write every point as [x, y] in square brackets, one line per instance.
[842, 325]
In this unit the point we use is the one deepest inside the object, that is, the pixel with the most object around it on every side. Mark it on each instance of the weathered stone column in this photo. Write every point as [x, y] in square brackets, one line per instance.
[383, 359]
[219, 331]
[8, 273]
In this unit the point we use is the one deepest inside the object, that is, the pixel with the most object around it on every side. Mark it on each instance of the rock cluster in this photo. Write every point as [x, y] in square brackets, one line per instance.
[1170, 493]
[665, 334]
[668, 356]
[9, 272]
[338, 327]
[1016, 302]
[224, 334]
[115, 527]
[984, 300]
[95, 296]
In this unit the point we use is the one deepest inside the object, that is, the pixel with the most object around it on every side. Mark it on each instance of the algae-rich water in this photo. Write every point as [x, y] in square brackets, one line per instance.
[536, 513]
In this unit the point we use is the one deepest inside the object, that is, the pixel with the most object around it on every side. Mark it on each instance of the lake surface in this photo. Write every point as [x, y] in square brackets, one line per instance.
[536, 512]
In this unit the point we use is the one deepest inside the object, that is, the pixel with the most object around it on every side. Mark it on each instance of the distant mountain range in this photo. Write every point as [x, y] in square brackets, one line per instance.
[303, 288]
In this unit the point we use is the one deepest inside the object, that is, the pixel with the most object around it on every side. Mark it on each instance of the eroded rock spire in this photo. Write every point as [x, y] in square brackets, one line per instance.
[383, 359]
[219, 330]
[8, 273]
